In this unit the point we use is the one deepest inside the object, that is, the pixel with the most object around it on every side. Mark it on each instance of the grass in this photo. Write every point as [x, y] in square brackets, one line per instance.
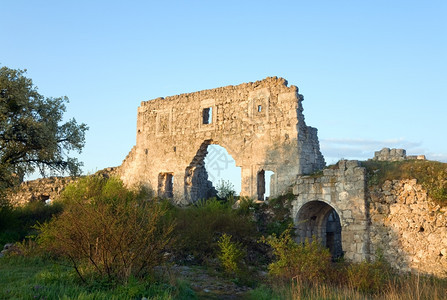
[36, 278]
[432, 175]
[410, 287]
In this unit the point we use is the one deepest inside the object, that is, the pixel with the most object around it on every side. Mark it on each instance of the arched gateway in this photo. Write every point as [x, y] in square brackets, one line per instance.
[260, 124]
[317, 219]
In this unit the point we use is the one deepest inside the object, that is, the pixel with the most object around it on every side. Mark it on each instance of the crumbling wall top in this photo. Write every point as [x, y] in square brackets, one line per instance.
[267, 82]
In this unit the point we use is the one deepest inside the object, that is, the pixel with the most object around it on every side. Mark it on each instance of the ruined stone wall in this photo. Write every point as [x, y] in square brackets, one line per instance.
[260, 124]
[409, 227]
[387, 154]
[38, 190]
[48, 188]
[397, 217]
[340, 189]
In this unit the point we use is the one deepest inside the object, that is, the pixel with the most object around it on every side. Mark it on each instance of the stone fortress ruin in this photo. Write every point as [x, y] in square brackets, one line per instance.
[261, 125]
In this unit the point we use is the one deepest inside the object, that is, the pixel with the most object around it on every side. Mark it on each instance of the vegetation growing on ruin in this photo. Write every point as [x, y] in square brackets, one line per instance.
[432, 175]
[211, 236]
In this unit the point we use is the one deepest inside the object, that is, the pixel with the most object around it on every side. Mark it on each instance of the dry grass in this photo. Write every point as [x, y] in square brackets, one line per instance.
[402, 288]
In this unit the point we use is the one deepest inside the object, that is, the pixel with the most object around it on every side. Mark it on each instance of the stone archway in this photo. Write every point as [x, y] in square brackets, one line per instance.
[198, 183]
[317, 219]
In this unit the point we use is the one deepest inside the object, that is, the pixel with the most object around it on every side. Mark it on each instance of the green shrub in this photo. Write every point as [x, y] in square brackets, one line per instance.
[199, 227]
[231, 254]
[369, 277]
[16, 223]
[225, 189]
[279, 219]
[308, 262]
[107, 230]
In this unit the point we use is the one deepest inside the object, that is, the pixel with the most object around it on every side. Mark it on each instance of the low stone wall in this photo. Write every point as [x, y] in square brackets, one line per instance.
[38, 190]
[49, 188]
[409, 227]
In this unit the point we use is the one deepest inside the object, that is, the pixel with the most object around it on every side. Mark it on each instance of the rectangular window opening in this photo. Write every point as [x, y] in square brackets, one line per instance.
[165, 185]
[259, 108]
[207, 115]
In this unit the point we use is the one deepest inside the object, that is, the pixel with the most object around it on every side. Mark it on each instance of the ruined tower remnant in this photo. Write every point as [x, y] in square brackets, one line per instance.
[260, 124]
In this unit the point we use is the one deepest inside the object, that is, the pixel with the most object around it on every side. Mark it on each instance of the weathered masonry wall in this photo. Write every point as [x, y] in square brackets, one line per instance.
[42, 189]
[260, 124]
[409, 227]
[332, 208]
[387, 154]
[397, 218]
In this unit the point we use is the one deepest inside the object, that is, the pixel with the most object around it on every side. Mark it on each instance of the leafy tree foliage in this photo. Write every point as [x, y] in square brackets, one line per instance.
[32, 135]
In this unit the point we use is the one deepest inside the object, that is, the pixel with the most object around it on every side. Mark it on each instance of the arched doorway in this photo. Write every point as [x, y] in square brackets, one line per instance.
[320, 220]
[200, 180]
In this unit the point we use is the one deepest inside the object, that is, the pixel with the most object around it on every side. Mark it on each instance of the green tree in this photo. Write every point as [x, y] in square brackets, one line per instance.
[33, 136]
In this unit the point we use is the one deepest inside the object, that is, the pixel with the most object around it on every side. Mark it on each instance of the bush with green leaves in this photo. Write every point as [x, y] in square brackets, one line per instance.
[307, 262]
[370, 277]
[16, 223]
[108, 230]
[199, 227]
[225, 189]
[231, 254]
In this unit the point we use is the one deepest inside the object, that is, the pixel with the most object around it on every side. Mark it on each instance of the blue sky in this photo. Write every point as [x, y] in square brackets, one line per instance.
[373, 73]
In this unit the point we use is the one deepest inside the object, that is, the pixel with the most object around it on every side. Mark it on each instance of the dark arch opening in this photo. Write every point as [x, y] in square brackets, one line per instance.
[317, 219]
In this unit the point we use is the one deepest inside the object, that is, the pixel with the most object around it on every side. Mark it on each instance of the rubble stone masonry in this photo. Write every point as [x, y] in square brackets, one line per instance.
[261, 125]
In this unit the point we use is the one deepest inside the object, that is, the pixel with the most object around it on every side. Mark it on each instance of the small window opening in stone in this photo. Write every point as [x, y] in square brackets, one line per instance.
[145, 151]
[165, 185]
[175, 149]
[259, 108]
[207, 115]
[421, 229]
[261, 185]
